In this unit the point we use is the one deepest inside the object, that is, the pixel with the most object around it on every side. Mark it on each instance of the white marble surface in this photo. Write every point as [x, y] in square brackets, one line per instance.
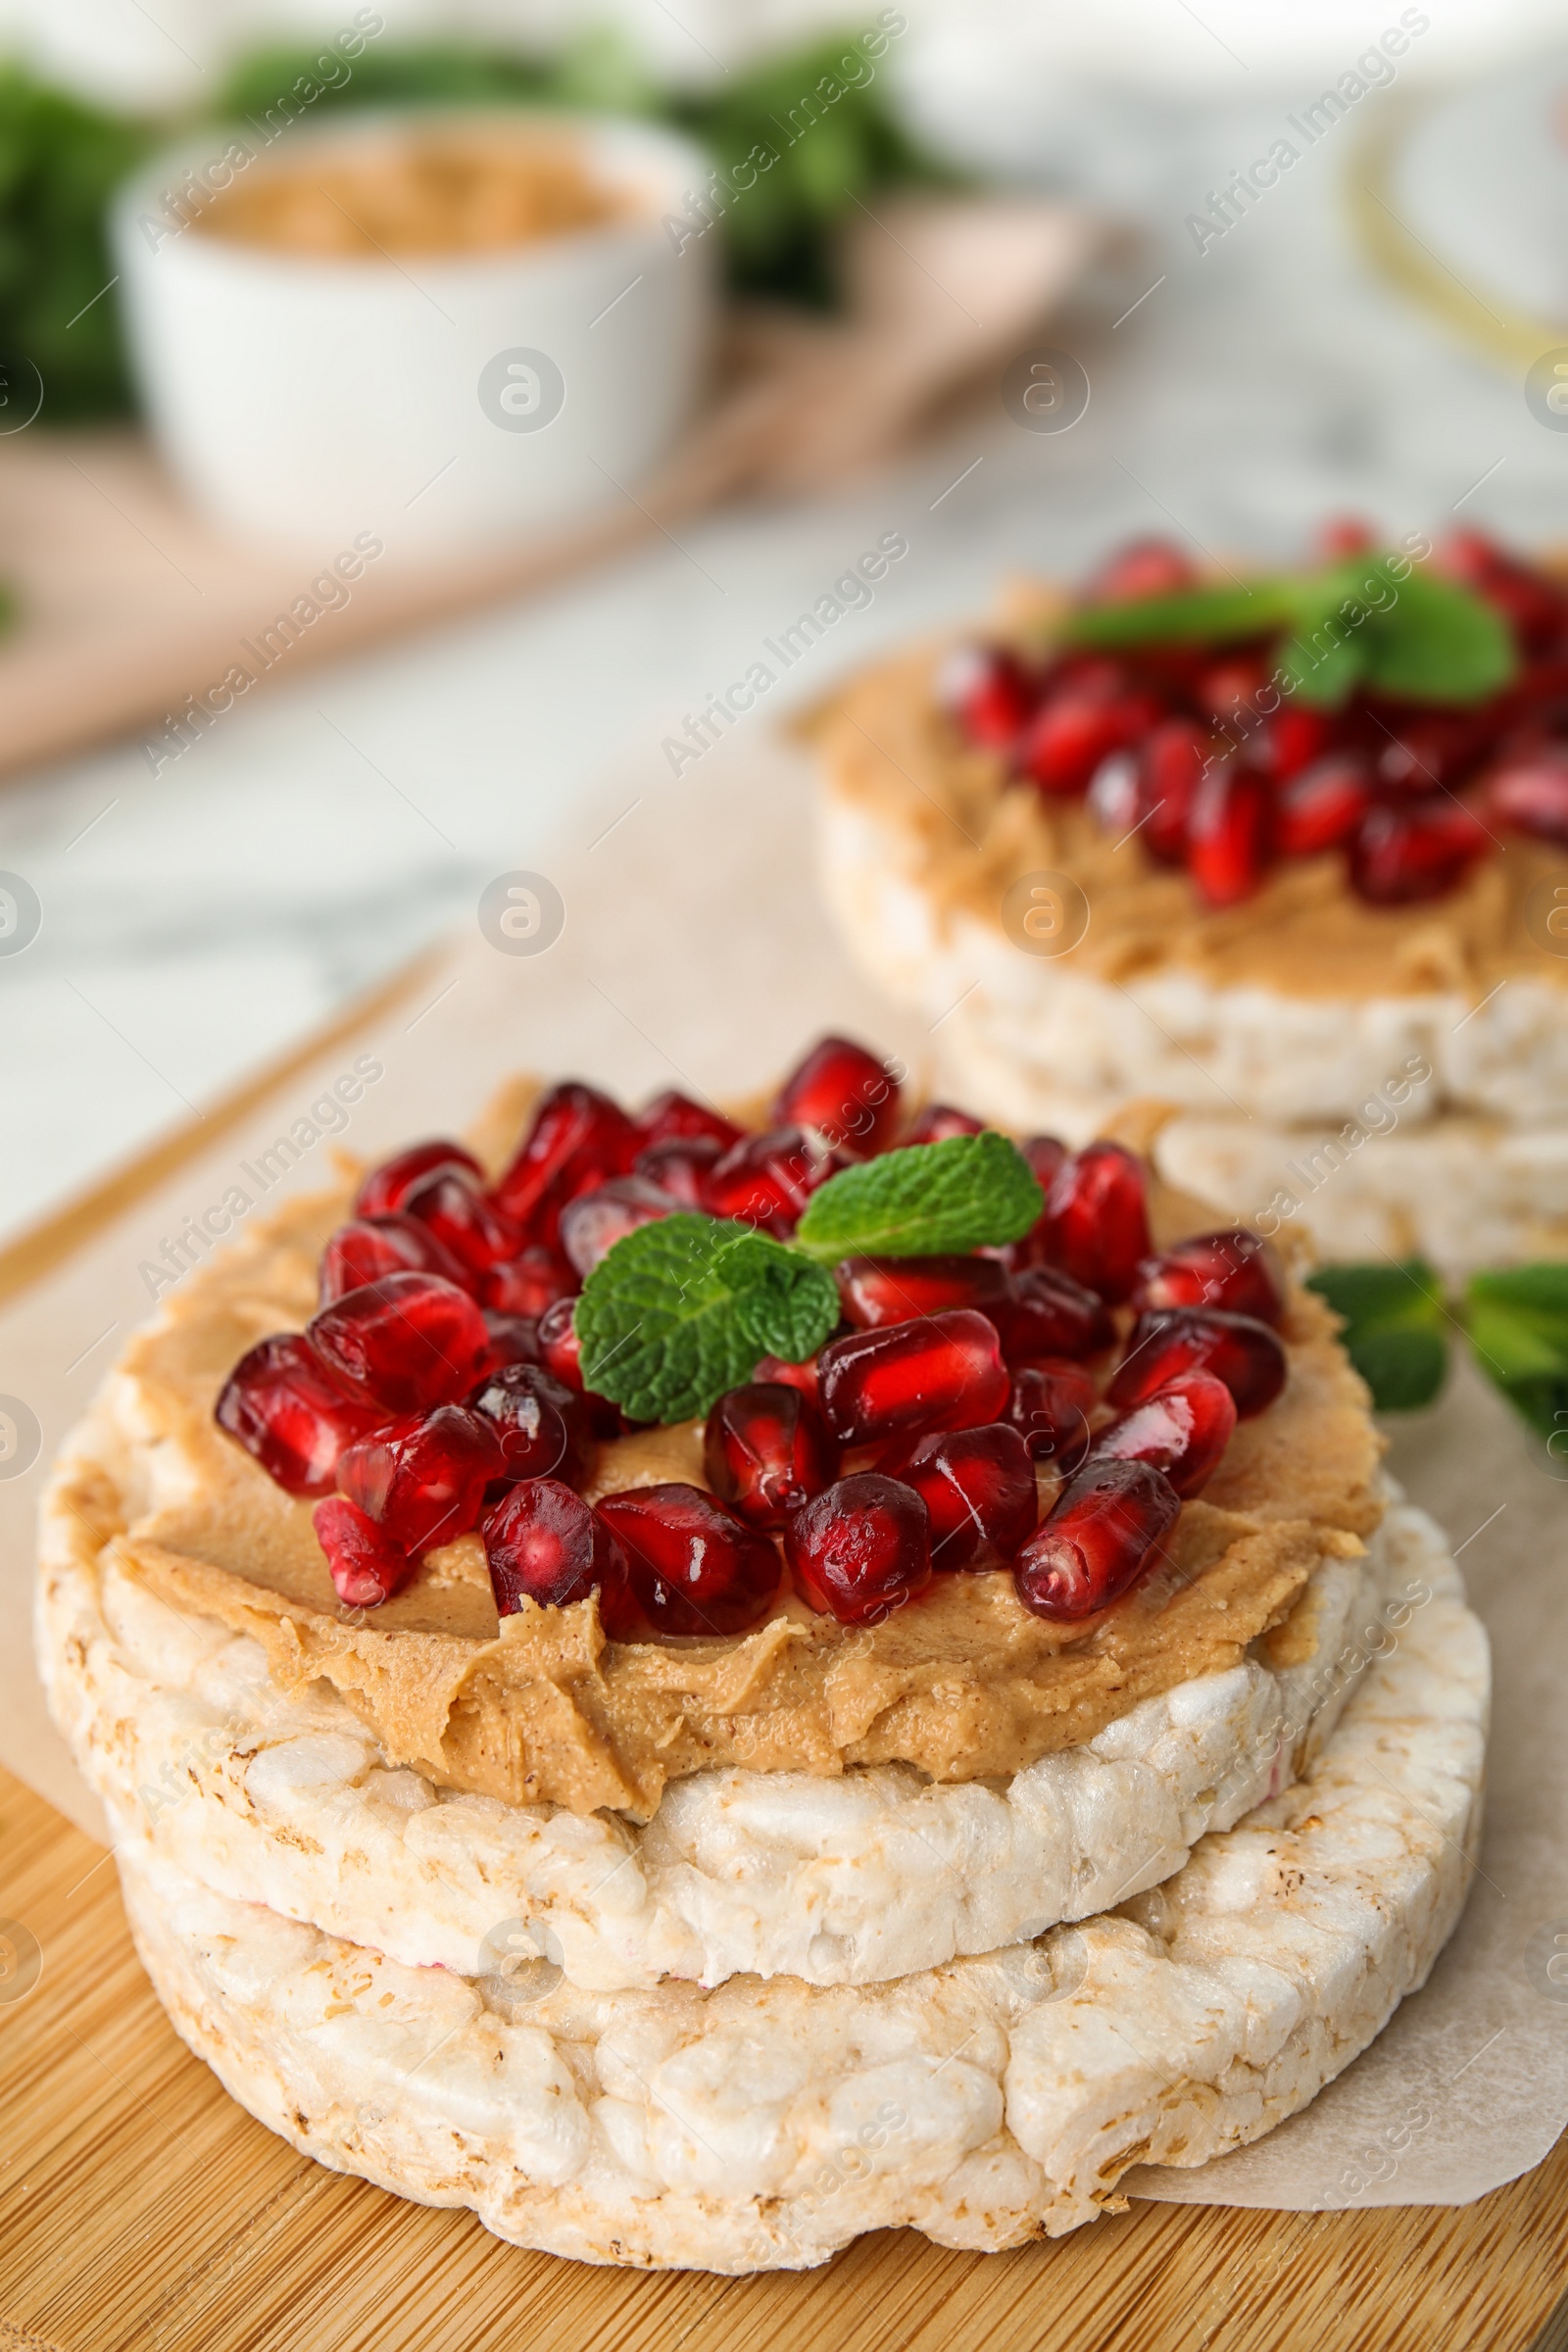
[197, 922]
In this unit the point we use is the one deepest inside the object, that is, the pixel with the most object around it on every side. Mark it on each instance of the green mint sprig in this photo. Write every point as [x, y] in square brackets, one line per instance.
[678, 1312]
[1398, 1325]
[1370, 622]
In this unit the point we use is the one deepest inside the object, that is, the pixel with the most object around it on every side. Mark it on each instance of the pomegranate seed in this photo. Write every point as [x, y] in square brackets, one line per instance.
[978, 1487]
[681, 1166]
[765, 1449]
[695, 1568]
[1046, 1154]
[874, 1291]
[423, 1480]
[776, 1368]
[365, 1566]
[1238, 1350]
[1235, 1270]
[1183, 1429]
[1053, 1315]
[561, 1353]
[1229, 833]
[1143, 567]
[542, 1544]
[767, 1179]
[367, 1247]
[468, 1225]
[513, 1340]
[1531, 792]
[1230, 687]
[675, 1117]
[1169, 765]
[1049, 1404]
[1402, 856]
[1096, 1223]
[1420, 752]
[1108, 1526]
[1082, 723]
[989, 692]
[860, 1550]
[542, 1427]
[385, 1188]
[282, 1404]
[943, 1372]
[845, 1094]
[404, 1342]
[529, 1283]
[593, 1223]
[1322, 806]
[1287, 740]
[1115, 794]
[1532, 605]
[579, 1138]
[939, 1122]
[1342, 536]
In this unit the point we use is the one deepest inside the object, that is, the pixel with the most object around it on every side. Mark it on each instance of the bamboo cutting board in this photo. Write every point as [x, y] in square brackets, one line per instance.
[142, 2211]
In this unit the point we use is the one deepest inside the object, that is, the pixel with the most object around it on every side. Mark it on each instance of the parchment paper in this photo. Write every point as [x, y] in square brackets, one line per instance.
[695, 954]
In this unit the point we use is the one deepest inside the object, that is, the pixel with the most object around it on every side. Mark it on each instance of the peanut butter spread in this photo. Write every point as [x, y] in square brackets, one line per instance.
[961, 833]
[964, 1682]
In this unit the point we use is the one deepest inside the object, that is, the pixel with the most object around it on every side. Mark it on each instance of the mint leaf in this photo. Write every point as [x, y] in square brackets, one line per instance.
[1325, 678]
[679, 1311]
[1395, 1327]
[1197, 616]
[1518, 1321]
[969, 1193]
[1438, 644]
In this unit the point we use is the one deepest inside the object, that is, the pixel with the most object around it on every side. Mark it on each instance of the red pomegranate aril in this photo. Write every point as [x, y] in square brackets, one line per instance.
[593, 1223]
[1169, 765]
[513, 1340]
[861, 1549]
[1142, 568]
[1287, 740]
[1530, 793]
[675, 1117]
[1046, 1154]
[843, 1095]
[1230, 833]
[681, 1166]
[939, 1122]
[1341, 538]
[1096, 1222]
[367, 1248]
[561, 1353]
[462, 1219]
[405, 1341]
[386, 1187]
[1049, 1404]
[1115, 800]
[364, 1564]
[542, 1544]
[1052, 1315]
[1533, 606]
[1229, 689]
[771, 1368]
[767, 1179]
[978, 1487]
[1183, 1429]
[1109, 1526]
[528, 1283]
[1235, 1270]
[1321, 807]
[943, 1372]
[1402, 856]
[1427, 751]
[543, 1428]
[694, 1567]
[1238, 1350]
[421, 1480]
[283, 1405]
[766, 1450]
[989, 692]
[578, 1139]
[1081, 723]
[874, 1291]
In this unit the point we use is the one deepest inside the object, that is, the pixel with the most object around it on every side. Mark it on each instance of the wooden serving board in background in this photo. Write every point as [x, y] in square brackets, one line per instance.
[142, 2211]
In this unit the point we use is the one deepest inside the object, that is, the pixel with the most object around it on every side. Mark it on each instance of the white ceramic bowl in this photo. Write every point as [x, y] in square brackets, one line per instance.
[436, 401]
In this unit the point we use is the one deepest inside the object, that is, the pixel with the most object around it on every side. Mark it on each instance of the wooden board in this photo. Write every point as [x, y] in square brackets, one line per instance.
[141, 2208]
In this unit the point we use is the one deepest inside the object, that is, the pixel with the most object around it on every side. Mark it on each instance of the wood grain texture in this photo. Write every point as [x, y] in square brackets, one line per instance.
[142, 2211]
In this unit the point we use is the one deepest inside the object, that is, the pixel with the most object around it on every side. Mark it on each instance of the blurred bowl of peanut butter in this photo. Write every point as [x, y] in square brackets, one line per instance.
[446, 329]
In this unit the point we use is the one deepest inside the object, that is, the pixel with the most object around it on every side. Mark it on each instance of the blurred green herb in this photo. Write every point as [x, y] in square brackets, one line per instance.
[1395, 1327]
[1396, 1323]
